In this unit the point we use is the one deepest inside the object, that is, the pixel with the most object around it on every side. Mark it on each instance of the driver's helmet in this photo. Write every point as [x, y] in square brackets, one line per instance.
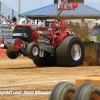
[57, 27]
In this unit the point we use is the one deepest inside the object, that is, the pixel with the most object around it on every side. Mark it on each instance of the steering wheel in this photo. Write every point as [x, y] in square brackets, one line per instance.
[60, 23]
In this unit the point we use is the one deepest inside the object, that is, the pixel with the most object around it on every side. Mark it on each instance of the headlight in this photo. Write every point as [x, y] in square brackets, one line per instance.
[20, 34]
[25, 35]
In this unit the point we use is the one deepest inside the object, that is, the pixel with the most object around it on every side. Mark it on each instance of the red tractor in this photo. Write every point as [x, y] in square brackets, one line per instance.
[46, 46]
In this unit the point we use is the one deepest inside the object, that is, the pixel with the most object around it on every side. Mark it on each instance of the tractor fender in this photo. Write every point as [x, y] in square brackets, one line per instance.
[47, 48]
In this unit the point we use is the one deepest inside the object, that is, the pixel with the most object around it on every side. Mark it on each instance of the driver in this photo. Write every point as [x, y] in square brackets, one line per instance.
[57, 29]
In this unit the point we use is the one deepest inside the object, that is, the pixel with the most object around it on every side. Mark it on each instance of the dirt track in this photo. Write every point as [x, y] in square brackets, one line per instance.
[21, 74]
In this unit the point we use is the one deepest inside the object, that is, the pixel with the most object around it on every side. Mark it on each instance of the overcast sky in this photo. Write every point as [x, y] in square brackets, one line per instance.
[27, 5]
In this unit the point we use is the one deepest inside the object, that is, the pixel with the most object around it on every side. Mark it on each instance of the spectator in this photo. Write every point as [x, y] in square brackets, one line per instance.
[78, 27]
[70, 25]
[96, 26]
[23, 22]
[8, 20]
[3, 20]
[28, 21]
[33, 22]
[86, 31]
[14, 22]
[75, 28]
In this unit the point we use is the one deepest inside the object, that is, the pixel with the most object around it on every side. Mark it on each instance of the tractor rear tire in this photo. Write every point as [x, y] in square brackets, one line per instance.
[70, 52]
[12, 54]
[87, 91]
[39, 61]
[63, 91]
[28, 50]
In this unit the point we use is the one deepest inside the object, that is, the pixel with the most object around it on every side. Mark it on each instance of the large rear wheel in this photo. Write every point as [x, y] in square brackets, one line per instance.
[70, 52]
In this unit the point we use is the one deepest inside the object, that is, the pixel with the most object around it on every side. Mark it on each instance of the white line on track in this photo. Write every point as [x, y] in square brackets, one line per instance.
[32, 83]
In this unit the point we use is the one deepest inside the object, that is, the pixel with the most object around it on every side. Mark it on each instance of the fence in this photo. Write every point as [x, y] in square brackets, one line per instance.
[5, 33]
[3, 53]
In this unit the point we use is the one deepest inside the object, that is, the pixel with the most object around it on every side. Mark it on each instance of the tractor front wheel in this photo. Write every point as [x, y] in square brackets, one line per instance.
[39, 58]
[28, 52]
[12, 54]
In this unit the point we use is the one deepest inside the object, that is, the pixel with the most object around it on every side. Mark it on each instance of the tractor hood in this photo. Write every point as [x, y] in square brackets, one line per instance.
[23, 32]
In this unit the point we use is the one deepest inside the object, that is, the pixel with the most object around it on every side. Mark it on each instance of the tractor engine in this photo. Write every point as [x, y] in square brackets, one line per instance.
[44, 38]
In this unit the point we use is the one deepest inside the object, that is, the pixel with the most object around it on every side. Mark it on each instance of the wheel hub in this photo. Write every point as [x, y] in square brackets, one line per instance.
[76, 52]
[35, 51]
[69, 96]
